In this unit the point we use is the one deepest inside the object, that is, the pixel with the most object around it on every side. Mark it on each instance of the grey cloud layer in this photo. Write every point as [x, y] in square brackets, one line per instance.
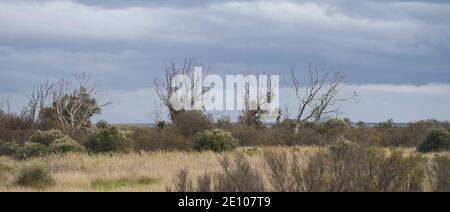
[124, 44]
[404, 42]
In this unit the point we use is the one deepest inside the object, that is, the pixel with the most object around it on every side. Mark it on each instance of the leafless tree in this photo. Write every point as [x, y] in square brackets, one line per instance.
[37, 101]
[166, 91]
[75, 106]
[255, 109]
[157, 112]
[319, 97]
[164, 88]
[157, 115]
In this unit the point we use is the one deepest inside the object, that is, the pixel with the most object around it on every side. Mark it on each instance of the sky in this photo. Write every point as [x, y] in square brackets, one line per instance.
[394, 53]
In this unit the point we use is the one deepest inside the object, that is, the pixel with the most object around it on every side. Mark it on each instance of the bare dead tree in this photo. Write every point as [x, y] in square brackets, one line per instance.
[286, 114]
[75, 106]
[38, 99]
[327, 102]
[166, 91]
[157, 115]
[318, 98]
[255, 109]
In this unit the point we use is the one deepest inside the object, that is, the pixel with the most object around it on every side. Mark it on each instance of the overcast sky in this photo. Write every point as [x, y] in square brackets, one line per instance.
[394, 53]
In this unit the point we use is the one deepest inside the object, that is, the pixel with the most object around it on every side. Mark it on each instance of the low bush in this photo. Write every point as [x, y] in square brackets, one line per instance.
[189, 123]
[343, 167]
[46, 137]
[65, 145]
[29, 150]
[352, 167]
[47, 142]
[215, 140]
[153, 139]
[334, 127]
[35, 177]
[251, 136]
[8, 148]
[108, 139]
[5, 172]
[441, 173]
[438, 139]
[14, 127]
[236, 175]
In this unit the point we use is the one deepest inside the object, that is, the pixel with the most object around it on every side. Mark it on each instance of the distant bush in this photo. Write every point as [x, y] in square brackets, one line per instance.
[154, 139]
[65, 145]
[415, 133]
[47, 137]
[29, 150]
[224, 123]
[8, 148]
[47, 142]
[247, 136]
[14, 127]
[336, 124]
[438, 139]
[334, 127]
[215, 140]
[108, 139]
[35, 177]
[190, 123]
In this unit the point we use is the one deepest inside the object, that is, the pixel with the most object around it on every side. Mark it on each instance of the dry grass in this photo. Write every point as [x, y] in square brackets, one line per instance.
[147, 171]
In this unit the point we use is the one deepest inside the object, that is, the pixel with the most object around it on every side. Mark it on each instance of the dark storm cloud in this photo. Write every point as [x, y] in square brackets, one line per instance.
[125, 44]
[372, 42]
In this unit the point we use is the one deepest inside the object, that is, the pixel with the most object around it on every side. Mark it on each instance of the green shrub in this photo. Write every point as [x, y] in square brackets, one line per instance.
[336, 124]
[8, 148]
[108, 139]
[35, 177]
[334, 127]
[29, 150]
[47, 142]
[438, 139]
[46, 137]
[215, 140]
[65, 145]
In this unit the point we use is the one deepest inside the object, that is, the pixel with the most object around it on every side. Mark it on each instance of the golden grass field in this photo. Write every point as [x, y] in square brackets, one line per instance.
[149, 171]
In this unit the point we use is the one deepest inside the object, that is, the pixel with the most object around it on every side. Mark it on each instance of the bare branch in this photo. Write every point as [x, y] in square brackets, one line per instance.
[319, 98]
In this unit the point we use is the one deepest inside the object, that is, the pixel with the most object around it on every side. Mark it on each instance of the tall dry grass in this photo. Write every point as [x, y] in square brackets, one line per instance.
[146, 171]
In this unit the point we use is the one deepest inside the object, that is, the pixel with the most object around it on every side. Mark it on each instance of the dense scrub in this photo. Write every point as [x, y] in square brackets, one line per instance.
[215, 140]
[45, 142]
[108, 139]
[438, 139]
[23, 138]
[343, 167]
[35, 177]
